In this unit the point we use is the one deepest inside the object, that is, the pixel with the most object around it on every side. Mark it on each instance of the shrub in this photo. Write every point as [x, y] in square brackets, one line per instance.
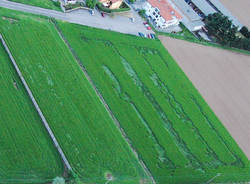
[57, 3]
[91, 3]
[142, 12]
[244, 30]
[222, 28]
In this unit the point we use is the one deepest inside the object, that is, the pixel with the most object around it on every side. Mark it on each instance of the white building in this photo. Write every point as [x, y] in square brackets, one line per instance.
[162, 13]
[70, 1]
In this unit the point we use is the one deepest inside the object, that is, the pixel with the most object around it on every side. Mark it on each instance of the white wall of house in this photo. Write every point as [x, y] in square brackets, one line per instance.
[70, 1]
[154, 14]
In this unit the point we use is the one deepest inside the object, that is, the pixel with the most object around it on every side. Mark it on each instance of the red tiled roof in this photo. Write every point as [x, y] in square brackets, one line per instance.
[166, 10]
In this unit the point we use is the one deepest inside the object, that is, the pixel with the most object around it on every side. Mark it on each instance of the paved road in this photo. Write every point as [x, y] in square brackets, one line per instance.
[118, 23]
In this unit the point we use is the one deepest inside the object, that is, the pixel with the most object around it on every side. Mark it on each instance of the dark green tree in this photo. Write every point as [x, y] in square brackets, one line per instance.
[91, 3]
[142, 12]
[221, 28]
[244, 30]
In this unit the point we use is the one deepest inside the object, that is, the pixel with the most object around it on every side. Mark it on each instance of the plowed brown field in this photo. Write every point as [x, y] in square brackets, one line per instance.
[223, 79]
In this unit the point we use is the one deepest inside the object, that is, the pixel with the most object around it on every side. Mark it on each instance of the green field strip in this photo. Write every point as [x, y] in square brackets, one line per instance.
[168, 125]
[145, 89]
[174, 112]
[213, 137]
[129, 88]
[85, 131]
[160, 150]
[103, 101]
[26, 152]
[142, 87]
[128, 113]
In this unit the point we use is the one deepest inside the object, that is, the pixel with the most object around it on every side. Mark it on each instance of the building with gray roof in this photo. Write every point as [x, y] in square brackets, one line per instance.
[204, 6]
[190, 18]
[217, 4]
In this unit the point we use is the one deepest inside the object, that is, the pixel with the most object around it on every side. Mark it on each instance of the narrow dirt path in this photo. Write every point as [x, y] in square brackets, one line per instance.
[103, 102]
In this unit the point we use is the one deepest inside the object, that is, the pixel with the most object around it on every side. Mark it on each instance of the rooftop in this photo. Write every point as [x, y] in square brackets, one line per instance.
[204, 6]
[186, 10]
[166, 10]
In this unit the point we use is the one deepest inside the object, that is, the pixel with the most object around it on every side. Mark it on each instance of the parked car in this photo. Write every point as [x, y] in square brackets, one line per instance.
[152, 35]
[147, 26]
[102, 14]
[145, 23]
[141, 34]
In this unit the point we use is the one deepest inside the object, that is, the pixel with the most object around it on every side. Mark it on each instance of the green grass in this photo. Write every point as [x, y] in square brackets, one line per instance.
[88, 136]
[172, 128]
[48, 4]
[27, 154]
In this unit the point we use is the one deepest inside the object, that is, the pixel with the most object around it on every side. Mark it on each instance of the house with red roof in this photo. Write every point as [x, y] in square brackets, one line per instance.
[162, 13]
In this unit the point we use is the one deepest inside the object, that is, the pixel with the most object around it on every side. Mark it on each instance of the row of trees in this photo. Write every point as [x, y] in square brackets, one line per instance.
[222, 29]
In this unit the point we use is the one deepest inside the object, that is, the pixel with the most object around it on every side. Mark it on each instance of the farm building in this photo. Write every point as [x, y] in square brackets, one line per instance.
[162, 13]
[111, 4]
[207, 7]
[195, 10]
[189, 17]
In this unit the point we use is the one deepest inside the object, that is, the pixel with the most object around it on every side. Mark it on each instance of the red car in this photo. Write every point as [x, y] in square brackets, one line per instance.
[102, 14]
[147, 26]
[145, 23]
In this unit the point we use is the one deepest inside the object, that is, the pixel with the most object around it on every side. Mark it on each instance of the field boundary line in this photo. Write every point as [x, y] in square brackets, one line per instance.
[117, 123]
[45, 123]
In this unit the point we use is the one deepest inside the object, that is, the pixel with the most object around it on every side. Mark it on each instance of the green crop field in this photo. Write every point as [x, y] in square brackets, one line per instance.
[48, 4]
[27, 154]
[174, 131]
[171, 127]
[88, 136]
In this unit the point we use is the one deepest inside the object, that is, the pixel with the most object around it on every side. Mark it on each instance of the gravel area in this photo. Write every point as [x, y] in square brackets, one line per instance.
[222, 77]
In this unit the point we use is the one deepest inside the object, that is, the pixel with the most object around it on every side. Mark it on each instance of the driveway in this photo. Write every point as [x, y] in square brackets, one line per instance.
[117, 23]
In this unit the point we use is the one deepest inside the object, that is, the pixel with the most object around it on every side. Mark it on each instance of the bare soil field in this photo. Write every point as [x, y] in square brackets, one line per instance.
[223, 79]
[240, 9]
